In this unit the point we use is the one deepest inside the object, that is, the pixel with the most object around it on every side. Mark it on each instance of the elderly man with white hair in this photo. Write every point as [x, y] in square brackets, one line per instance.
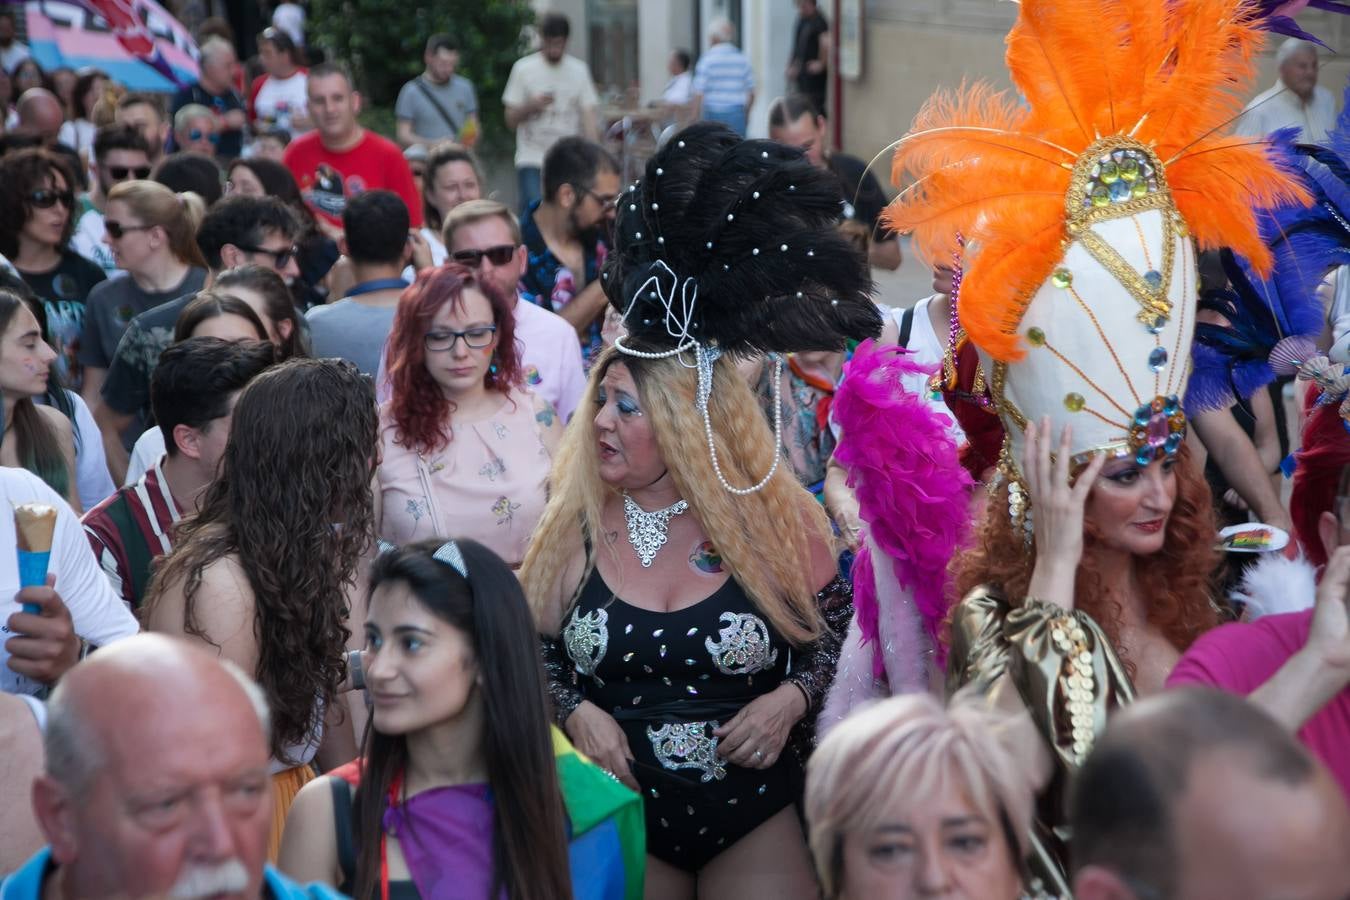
[724, 81]
[155, 782]
[215, 90]
[1295, 100]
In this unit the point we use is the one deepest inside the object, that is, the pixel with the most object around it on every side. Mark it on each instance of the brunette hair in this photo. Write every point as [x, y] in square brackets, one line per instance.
[529, 831]
[420, 411]
[179, 215]
[22, 173]
[1177, 581]
[278, 181]
[443, 155]
[82, 85]
[36, 442]
[293, 505]
[267, 284]
[212, 304]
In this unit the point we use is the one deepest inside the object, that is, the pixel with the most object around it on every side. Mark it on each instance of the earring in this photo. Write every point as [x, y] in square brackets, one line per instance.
[492, 368]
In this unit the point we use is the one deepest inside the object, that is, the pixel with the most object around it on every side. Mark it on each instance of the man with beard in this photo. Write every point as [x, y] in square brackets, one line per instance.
[565, 236]
[120, 154]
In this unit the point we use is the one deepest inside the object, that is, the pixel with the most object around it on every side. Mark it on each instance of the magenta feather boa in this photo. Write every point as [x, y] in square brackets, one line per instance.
[913, 494]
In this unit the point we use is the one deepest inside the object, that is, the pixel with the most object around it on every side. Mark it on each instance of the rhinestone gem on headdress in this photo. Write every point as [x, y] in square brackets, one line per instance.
[1157, 429]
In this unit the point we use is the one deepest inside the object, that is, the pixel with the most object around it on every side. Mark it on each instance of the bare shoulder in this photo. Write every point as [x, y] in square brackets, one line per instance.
[309, 842]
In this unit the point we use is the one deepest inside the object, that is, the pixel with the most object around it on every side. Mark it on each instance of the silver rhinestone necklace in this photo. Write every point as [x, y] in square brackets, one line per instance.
[647, 530]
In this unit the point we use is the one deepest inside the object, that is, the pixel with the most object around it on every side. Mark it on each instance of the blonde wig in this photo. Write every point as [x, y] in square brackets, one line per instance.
[765, 539]
[902, 752]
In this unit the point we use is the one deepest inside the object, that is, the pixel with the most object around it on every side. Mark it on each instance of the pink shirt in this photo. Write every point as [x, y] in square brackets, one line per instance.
[1242, 656]
[486, 484]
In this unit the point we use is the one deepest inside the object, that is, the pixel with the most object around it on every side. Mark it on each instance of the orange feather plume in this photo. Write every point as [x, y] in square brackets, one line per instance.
[1172, 75]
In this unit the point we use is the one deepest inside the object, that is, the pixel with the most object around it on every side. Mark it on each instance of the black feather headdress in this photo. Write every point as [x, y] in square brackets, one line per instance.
[733, 244]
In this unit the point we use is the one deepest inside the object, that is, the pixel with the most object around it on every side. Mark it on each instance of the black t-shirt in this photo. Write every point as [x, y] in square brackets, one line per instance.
[127, 387]
[864, 200]
[806, 47]
[63, 291]
[230, 143]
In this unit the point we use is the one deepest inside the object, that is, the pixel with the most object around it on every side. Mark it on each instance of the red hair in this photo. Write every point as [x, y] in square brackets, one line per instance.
[418, 407]
[1177, 580]
[1317, 479]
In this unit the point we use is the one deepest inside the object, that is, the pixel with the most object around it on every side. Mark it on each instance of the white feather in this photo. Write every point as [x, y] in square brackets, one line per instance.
[1277, 585]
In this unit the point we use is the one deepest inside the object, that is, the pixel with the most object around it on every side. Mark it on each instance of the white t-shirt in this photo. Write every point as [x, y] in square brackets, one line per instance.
[679, 89]
[88, 242]
[147, 450]
[14, 54]
[927, 349]
[280, 99]
[78, 135]
[99, 615]
[573, 91]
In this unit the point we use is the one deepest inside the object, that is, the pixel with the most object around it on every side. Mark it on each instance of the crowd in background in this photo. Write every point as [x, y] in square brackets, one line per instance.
[266, 362]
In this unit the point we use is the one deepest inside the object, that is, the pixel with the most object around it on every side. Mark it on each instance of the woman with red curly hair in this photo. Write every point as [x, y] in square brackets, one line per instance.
[466, 449]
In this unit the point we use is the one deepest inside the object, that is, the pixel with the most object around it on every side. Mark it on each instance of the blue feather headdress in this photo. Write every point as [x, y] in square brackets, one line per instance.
[1276, 18]
[1272, 324]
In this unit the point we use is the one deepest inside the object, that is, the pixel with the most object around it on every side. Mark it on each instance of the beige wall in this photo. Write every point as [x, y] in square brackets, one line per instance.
[905, 61]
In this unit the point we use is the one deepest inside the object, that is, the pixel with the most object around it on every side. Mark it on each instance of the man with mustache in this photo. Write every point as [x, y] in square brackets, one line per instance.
[156, 782]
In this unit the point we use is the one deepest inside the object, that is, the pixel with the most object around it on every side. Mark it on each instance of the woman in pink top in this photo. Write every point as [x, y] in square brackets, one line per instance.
[465, 449]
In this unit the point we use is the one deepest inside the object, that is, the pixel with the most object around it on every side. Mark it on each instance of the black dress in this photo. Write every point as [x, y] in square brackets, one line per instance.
[669, 680]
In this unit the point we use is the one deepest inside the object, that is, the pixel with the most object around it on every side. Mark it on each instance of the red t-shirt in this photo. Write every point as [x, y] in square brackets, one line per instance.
[1241, 657]
[327, 178]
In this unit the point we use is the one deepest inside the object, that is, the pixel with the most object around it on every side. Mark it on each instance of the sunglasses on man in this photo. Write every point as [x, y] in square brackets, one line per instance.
[280, 258]
[499, 255]
[122, 173]
[46, 198]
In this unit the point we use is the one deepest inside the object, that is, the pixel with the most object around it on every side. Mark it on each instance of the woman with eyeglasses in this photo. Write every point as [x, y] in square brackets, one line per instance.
[36, 201]
[465, 448]
[153, 235]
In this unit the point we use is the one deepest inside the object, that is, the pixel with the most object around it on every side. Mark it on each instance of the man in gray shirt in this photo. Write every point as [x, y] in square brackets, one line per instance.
[376, 239]
[438, 105]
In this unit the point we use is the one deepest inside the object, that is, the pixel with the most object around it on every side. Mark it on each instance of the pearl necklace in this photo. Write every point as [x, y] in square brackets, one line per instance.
[647, 531]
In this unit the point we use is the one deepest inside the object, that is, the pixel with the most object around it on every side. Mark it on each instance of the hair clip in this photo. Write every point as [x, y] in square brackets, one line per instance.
[449, 554]
[384, 547]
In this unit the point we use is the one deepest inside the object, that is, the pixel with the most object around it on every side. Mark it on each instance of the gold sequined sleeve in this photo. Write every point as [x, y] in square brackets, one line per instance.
[1059, 661]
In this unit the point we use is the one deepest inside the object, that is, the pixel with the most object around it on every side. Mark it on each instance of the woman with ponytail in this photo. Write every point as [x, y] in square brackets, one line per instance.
[457, 792]
[37, 438]
[153, 235]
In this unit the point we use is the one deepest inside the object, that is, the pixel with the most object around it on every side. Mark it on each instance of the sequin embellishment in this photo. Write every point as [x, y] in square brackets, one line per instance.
[688, 745]
[744, 647]
[587, 638]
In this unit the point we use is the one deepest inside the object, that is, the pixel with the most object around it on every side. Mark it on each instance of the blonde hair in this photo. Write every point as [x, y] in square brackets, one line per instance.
[471, 211]
[178, 214]
[902, 752]
[782, 516]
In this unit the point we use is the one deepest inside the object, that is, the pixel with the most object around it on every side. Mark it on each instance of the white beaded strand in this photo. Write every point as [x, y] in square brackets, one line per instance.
[777, 439]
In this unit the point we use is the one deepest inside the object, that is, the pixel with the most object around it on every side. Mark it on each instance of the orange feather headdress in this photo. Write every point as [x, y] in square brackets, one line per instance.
[1083, 208]
[1166, 77]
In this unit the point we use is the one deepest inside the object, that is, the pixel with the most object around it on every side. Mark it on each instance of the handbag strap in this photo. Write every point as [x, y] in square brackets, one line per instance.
[445, 114]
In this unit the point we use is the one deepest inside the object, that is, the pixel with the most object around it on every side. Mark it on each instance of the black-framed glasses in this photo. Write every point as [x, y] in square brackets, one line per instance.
[46, 198]
[280, 258]
[499, 255]
[122, 173]
[475, 338]
[610, 202]
[116, 229]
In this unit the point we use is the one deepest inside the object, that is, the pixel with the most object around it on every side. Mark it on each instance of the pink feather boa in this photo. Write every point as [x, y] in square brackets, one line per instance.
[913, 495]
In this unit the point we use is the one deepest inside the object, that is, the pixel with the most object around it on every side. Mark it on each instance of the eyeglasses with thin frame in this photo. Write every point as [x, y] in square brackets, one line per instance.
[479, 338]
[122, 173]
[46, 198]
[606, 203]
[116, 230]
[279, 257]
[499, 255]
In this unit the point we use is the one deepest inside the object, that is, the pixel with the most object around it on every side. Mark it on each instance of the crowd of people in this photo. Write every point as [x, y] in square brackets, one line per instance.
[405, 545]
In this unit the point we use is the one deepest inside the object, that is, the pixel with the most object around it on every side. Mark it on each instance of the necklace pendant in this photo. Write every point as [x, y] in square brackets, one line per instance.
[648, 531]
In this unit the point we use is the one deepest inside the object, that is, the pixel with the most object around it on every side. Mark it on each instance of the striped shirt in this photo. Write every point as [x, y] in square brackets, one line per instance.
[130, 529]
[724, 77]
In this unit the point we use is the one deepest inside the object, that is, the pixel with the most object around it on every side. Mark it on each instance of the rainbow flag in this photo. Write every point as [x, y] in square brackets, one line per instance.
[608, 849]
